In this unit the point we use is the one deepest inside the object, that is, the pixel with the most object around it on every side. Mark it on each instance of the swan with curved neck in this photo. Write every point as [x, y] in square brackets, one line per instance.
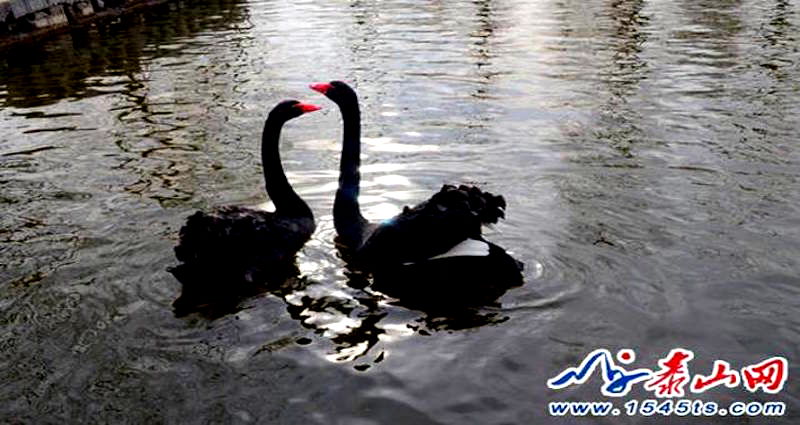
[440, 238]
[234, 251]
[351, 227]
[287, 202]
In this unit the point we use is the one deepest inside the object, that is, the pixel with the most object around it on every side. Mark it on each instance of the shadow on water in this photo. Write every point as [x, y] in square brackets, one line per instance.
[350, 317]
[624, 72]
[65, 67]
[482, 54]
[610, 148]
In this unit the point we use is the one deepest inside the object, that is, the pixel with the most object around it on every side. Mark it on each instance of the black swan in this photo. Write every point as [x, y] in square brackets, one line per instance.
[432, 252]
[234, 251]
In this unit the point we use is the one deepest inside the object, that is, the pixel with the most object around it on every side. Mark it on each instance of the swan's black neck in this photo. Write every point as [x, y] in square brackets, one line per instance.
[286, 200]
[350, 224]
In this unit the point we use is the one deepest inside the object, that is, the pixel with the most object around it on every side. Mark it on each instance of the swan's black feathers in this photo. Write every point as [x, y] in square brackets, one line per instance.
[432, 227]
[235, 252]
[242, 244]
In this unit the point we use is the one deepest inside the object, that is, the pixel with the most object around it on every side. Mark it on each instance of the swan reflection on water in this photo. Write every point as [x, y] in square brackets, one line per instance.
[354, 318]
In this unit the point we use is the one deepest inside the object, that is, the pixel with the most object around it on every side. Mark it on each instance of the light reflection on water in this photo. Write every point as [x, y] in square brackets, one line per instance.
[646, 151]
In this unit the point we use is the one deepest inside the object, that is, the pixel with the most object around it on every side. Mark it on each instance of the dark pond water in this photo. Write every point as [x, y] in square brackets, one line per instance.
[648, 152]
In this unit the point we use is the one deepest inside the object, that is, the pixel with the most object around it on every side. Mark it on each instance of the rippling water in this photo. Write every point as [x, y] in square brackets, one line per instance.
[647, 151]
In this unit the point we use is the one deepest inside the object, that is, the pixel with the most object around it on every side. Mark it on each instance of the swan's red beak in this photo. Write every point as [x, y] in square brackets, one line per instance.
[307, 107]
[321, 87]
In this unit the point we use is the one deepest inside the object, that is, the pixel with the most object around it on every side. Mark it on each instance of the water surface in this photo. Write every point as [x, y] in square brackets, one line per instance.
[647, 152]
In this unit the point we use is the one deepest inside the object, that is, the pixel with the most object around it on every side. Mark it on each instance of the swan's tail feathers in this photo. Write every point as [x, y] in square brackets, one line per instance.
[486, 207]
[449, 217]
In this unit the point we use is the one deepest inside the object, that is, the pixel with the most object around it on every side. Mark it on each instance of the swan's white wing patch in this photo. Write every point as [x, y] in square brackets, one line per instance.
[467, 248]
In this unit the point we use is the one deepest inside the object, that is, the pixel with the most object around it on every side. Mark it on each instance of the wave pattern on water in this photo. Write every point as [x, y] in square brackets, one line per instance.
[647, 152]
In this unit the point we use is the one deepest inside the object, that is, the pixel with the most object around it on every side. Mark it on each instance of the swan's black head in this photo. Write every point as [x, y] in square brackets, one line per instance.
[289, 109]
[337, 91]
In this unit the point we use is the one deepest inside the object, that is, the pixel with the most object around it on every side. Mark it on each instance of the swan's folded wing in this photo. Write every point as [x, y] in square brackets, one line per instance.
[432, 227]
[232, 235]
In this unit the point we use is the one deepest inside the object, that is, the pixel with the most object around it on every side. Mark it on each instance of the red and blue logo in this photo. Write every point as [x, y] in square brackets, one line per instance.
[672, 378]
